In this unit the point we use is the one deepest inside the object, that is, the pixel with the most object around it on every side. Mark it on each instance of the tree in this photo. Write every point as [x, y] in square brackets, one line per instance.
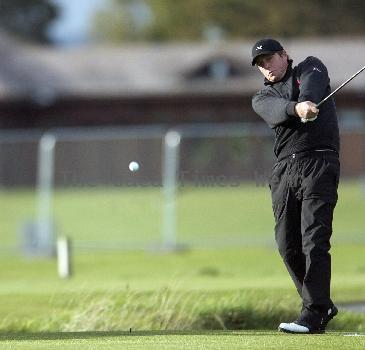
[194, 19]
[27, 19]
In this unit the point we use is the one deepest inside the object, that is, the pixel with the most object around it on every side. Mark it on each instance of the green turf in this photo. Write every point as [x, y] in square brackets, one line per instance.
[181, 340]
[242, 284]
[205, 216]
[224, 269]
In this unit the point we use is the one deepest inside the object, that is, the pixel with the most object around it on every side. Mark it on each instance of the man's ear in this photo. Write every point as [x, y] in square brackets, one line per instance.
[284, 54]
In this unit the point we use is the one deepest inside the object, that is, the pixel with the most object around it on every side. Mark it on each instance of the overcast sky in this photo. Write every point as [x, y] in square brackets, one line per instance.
[73, 24]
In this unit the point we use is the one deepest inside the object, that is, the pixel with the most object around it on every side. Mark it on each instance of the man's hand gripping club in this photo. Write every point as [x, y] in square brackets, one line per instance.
[307, 111]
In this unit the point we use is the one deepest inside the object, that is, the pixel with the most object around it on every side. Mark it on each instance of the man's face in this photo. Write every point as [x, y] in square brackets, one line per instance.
[274, 66]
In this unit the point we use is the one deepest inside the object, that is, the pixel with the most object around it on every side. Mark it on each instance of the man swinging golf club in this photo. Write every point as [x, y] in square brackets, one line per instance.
[305, 177]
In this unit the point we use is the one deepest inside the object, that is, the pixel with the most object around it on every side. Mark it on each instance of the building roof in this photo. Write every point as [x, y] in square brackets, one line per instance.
[45, 73]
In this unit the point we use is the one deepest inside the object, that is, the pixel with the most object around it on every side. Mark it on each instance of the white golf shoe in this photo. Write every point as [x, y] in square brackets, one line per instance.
[309, 322]
[293, 328]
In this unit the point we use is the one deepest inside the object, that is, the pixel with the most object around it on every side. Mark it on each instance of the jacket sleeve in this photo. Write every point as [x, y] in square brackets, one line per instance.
[314, 80]
[274, 110]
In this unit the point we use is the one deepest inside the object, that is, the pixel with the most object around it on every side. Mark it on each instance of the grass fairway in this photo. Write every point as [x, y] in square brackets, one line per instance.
[206, 217]
[181, 340]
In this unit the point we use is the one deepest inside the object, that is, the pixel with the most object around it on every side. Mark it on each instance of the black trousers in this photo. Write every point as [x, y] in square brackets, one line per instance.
[304, 195]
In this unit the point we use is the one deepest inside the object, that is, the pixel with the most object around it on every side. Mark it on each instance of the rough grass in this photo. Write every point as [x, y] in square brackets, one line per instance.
[176, 310]
[210, 289]
[167, 309]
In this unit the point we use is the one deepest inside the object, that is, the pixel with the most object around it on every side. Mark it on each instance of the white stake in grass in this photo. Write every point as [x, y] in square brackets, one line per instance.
[64, 257]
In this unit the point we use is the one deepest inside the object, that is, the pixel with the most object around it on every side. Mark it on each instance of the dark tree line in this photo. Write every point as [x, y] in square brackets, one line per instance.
[27, 19]
[171, 20]
[182, 20]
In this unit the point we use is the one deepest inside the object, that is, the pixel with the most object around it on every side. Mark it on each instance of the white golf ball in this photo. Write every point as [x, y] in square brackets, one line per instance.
[133, 166]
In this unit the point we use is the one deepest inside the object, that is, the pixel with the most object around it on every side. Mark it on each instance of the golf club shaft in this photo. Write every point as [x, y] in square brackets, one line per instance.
[341, 86]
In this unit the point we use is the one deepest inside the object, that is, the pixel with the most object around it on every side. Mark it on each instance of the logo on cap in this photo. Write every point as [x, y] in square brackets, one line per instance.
[259, 47]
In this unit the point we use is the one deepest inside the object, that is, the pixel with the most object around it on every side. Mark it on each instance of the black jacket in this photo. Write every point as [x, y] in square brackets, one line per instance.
[275, 103]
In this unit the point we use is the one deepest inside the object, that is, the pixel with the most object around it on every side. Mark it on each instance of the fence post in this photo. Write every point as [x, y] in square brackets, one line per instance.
[45, 193]
[170, 182]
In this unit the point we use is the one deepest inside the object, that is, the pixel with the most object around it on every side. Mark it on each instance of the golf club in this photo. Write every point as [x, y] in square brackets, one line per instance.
[341, 86]
[304, 120]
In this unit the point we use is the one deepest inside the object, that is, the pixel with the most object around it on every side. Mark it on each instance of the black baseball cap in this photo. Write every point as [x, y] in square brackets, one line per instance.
[265, 47]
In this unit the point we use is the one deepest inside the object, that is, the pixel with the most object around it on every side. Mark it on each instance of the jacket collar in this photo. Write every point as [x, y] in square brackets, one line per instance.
[284, 78]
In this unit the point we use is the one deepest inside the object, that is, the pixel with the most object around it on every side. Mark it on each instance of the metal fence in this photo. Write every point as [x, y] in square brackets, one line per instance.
[76, 182]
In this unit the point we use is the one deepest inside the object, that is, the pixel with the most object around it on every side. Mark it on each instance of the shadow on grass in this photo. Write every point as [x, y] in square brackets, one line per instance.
[90, 335]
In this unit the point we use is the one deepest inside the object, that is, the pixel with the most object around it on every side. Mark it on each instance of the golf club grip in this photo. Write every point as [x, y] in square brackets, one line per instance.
[340, 87]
